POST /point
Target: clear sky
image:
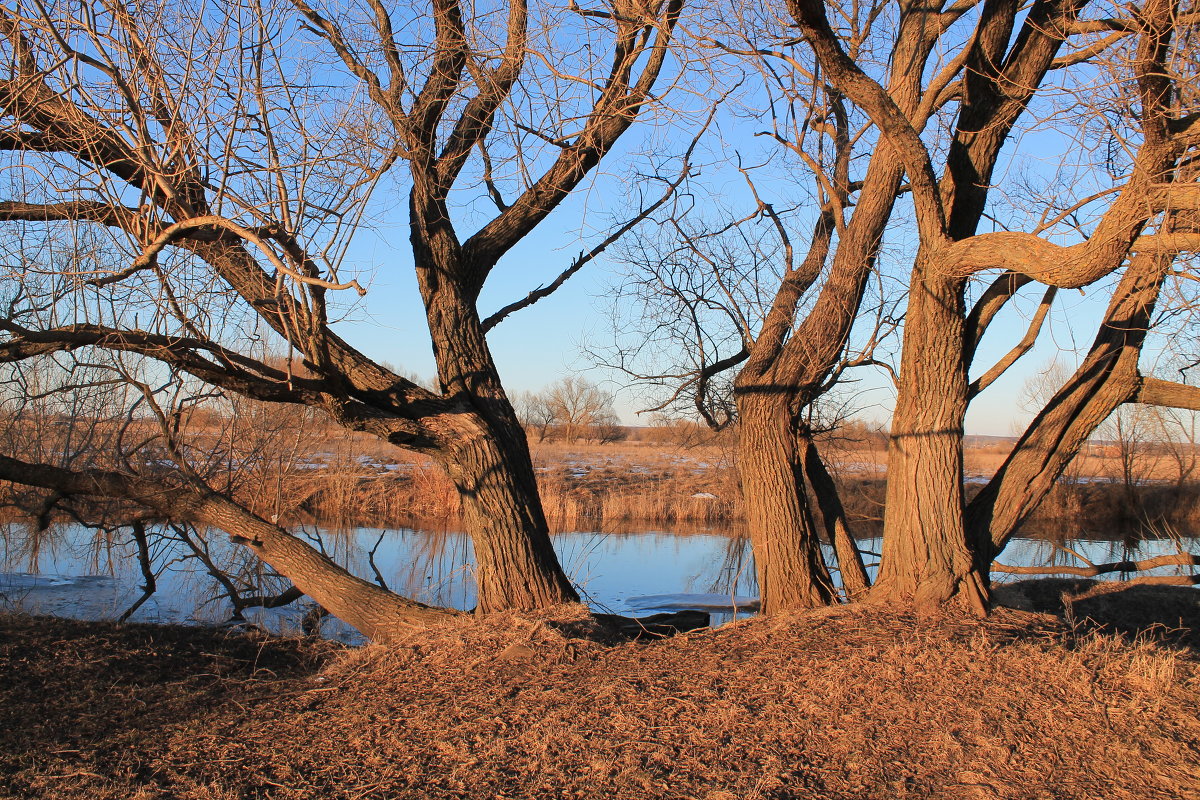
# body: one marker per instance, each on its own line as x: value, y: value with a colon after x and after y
x: 540, y: 344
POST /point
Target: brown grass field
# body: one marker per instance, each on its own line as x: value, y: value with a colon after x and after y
x: 851, y: 702
x: 613, y: 486
x: 1075, y: 696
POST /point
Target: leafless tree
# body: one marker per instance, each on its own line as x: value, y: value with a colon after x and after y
x: 943, y: 89
x: 183, y: 183
x: 536, y: 413
x: 1136, y: 90
x: 578, y: 409
x: 791, y: 300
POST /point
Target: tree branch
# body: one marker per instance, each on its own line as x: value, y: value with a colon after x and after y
x: 1092, y: 570
x: 1156, y: 392
x: 894, y: 126
x: 1022, y: 347
x: 100, y: 212
x: 989, y: 304
x: 234, y: 371
x: 180, y: 229
x: 313, y: 573
x: 616, y: 108
x: 585, y: 258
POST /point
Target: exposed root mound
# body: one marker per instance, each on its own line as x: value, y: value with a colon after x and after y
x: 841, y: 703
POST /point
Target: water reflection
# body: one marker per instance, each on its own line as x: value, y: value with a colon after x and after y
x: 76, y: 572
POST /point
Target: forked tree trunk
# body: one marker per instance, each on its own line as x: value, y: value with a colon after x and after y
x: 787, y: 552
x: 926, y: 558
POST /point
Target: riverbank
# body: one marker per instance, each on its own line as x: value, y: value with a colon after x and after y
x: 852, y: 702
x: 609, y: 486
x: 357, y: 481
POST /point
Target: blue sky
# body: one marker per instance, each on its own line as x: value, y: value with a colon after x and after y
x: 538, y: 345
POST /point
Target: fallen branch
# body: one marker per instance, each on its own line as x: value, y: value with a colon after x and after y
x: 1093, y: 570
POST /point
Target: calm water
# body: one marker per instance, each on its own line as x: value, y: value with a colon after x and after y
x: 73, y: 572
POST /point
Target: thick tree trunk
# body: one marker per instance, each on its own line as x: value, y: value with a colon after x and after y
x: 926, y: 558
x: 376, y: 613
x: 787, y: 552
x: 515, y: 563
x: 486, y: 453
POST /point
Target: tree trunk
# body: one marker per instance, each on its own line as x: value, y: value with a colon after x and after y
x: 515, y: 563
x: 849, y: 559
x: 486, y: 454
x: 787, y: 553
x: 376, y: 613
x: 926, y: 558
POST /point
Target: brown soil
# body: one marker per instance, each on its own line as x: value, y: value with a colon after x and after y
x: 852, y: 702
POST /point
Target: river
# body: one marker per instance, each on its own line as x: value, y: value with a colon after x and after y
x: 74, y: 572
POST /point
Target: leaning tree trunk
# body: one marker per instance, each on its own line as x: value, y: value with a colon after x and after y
x: 376, y: 613
x: 855, y: 581
x: 515, y: 563
x: 1106, y: 379
x: 486, y: 454
x: 370, y: 609
x: 787, y: 552
x: 926, y: 559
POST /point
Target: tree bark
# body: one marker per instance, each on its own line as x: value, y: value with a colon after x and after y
x: 926, y: 558
x: 787, y: 552
x: 849, y: 559
x: 515, y: 563
x: 485, y: 450
x: 376, y: 613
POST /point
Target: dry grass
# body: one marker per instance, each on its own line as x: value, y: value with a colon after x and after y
x: 843, y: 703
x: 598, y: 486
x: 583, y: 486
x: 590, y: 486
x: 586, y: 486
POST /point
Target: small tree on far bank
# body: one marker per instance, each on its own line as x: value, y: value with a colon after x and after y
x: 572, y: 409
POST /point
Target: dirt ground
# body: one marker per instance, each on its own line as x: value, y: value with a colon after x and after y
x: 852, y: 702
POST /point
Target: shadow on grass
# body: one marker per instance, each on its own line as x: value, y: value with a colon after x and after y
x: 82, y: 698
x: 1170, y: 614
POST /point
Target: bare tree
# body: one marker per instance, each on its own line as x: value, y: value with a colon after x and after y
x: 792, y: 300
x: 184, y: 182
x: 937, y: 547
x: 579, y: 409
x: 941, y: 87
x: 536, y: 413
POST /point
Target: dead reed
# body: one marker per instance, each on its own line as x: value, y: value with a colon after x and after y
x: 588, y: 486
